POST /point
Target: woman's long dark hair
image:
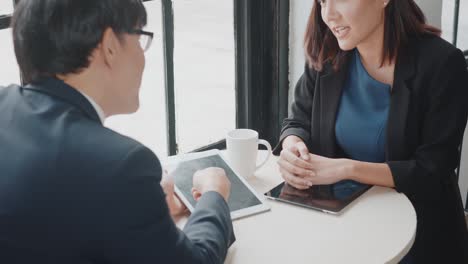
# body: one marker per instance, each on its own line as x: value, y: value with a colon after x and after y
x: 403, y: 18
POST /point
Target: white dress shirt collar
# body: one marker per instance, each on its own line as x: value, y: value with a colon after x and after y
x: 96, y: 107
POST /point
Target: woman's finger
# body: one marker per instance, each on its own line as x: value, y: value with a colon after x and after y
x: 295, y: 160
x: 295, y: 181
x: 303, y: 150
x: 297, y: 171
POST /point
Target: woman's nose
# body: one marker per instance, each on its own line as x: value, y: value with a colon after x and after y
x: 329, y: 12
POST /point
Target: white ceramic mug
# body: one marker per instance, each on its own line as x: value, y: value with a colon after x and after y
x: 242, y: 149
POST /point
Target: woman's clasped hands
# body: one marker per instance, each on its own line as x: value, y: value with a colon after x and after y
x: 302, y: 169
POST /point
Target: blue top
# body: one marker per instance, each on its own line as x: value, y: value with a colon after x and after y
x: 361, y: 120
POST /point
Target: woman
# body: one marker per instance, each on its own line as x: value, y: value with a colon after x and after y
x: 383, y: 101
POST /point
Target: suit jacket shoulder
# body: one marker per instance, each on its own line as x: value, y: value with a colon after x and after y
x: 73, y: 191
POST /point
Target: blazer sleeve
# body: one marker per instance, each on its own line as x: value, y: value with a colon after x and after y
x: 299, y: 119
x: 136, y: 226
x: 443, y: 124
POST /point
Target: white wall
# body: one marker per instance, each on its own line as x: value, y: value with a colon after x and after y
x: 299, y: 12
x: 433, y: 11
x: 463, y: 181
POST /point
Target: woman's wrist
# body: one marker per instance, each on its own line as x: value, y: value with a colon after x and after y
x: 369, y: 173
x: 290, y: 141
x: 351, y: 170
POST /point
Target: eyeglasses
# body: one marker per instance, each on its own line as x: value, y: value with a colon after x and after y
x: 146, y: 38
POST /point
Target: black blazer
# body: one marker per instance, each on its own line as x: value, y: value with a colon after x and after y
x: 427, y: 117
x: 73, y: 191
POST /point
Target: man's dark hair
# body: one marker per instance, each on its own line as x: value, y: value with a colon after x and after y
x: 58, y: 36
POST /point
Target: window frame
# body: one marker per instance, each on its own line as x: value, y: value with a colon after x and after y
x: 168, y: 46
x: 456, y: 14
x: 5, y: 21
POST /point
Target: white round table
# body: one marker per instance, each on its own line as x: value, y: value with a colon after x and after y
x: 379, y: 227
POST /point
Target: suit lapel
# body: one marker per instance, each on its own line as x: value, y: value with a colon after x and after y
x: 331, y: 88
x: 63, y: 91
x: 399, y: 103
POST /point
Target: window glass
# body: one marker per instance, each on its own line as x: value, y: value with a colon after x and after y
x: 204, y: 66
x: 448, y: 19
x: 10, y: 71
x: 6, y: 7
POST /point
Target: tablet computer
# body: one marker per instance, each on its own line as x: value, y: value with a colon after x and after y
x: 243, y: 199
x: 331, y: 199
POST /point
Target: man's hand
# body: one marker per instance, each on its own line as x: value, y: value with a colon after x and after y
x: 176, y: 207
x: 211, y: 179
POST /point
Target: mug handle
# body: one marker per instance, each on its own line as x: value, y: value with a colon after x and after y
x: 268, y: 146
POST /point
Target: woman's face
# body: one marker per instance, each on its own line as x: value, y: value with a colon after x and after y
x: 353, y: 22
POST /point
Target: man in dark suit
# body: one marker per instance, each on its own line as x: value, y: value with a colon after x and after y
x: 71, y: 190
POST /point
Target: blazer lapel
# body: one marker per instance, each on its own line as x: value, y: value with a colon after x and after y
x: 63, y: 91
x: 331, y: 88
x: 399, y: 104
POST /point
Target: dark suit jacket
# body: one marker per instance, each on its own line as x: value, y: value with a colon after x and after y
x: 427, y: 117
x: 73, y: 191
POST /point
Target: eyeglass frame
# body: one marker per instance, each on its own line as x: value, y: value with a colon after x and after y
x: 140, y: 32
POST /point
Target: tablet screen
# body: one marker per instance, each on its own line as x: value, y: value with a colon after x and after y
x: 241, y: 197
x: 332, y: 198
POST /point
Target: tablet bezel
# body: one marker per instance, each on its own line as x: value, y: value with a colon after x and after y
x: 338, y: 211
x: 171, y: 163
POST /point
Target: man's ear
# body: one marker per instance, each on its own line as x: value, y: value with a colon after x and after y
x: 109, y: 46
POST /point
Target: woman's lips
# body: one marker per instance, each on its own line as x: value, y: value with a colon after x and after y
x: 341, y: 31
